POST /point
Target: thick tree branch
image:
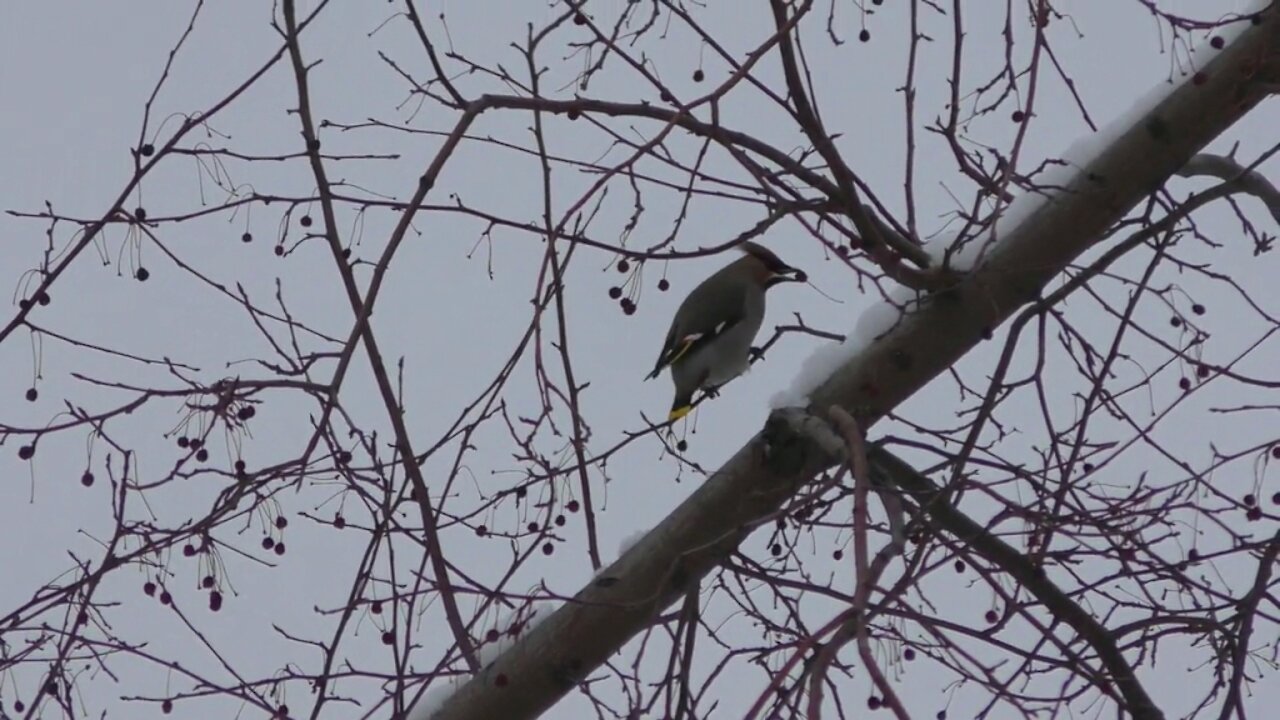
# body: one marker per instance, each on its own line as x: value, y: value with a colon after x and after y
x: 768, y: 469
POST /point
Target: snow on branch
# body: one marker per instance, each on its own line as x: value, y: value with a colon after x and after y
x: 1225, y: 167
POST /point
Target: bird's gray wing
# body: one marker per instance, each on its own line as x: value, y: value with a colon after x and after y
x: 722, y: 305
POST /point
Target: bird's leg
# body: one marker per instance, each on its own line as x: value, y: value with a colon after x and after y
x: 711, y: 391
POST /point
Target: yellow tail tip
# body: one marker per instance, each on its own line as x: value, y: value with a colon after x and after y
x: 677, y: 413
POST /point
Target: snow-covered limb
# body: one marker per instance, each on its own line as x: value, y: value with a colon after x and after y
x: 553, y: 658
x: 1225, y: 168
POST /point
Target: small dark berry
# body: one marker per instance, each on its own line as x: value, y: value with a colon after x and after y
x: 279, y: 251
x: 189, y: 550
x: 548, y: 548
x: 682, y: 446
x: 533, y: 527
x: 560, y: 521
x: 184, y: 442
x: 908, y: 654
x: 1197, y: 309
x: 579, y: 19
x: 873, y: 702
x: 1193, y: 554
x: 344, y: 457
x: 86, y: 479
x: 959, y: 566
x: 26, y: 452
x: 492, y: 635
x: 388, y: 638
x: 572, y: 506
x: 481, y: 531
x: 149, y: 588
x: 1275, y: 452
x: 991, y: 616
x: 837, y: 555
x: 196, y: 443
x: 166, y: 707
x: 313, y: 144
x: 775, y: 549
x: 278, y: 549
x: 141, y: 214
x: 24, y: 304
x: 663, y: 285
x: 1275, y: 499
x: 942, y: 715
x: 165, y: 597
x: 1184, y: 383
x: 628, y: 307
x: 615, y: 293
x: 282, y: 522
x: 865, y: 35
x: 207, y: 582
x: 32, y: 394
x: 202, y: 455
x: 247, y: 237
x: 268, y: 543
x: 43, y: 298
x: 215, y: 601
x: 698, y: 75
x: 339, y: 521
x: 1202, y: 371
x: 142, y: 274
x: 1018, y: 116
x: 573, y: 113
x: 147, y: 150
x: 1175, y: 321
x: 1217, y: 42
x: 623, y: 266
x: 305, y: 221
x: 666, y: 97
x: 375, y: 607
x: 239, y: 466
x: 1253, y: 514
x: 246, y: 412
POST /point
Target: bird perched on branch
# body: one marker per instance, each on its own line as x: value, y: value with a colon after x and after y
x: 709, y: 342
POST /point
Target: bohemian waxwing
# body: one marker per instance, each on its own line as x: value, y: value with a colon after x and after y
x: 709, y: 342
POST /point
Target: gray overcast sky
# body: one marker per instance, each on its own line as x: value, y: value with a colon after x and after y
x: 73, y: 81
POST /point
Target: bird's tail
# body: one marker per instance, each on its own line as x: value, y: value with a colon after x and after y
x: 681, y: 407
